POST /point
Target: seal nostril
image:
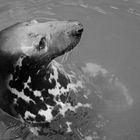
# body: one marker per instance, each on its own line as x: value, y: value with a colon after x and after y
x: 77, y: 32
x: 80, y: 30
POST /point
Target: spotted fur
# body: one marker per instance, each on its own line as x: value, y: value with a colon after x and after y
x: 40, y: 94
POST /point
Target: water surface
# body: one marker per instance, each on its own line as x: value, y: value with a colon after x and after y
x: 111, y: 39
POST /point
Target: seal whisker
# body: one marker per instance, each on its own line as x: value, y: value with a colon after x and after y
x: 64, y: 57
x: 62, y: 60
x: 70, y: 54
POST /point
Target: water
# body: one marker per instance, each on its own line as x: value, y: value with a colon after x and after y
x: 111, y: 39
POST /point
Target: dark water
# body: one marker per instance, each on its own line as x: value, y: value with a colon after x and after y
x: 111, y: 39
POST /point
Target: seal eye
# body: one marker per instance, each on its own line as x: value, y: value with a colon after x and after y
x: 41, y: 44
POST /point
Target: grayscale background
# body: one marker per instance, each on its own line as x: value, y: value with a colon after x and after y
x: 111, y: 39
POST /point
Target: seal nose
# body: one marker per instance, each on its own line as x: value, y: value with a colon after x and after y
x: 79, y: 31
x: 78, y: 28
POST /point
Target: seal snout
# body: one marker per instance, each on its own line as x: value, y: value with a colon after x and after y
x: 78, y: 32
x: 77, y: 28
x: 65, y: 37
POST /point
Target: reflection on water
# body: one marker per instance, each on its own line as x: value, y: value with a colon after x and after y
x: 111, y: 40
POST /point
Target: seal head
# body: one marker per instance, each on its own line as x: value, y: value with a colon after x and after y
x: 32, y: 38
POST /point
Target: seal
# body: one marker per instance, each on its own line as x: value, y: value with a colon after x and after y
x: 72, y: 101
x: 30, y: 84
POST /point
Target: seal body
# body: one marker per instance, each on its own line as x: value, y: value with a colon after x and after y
x: 27, y: 75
